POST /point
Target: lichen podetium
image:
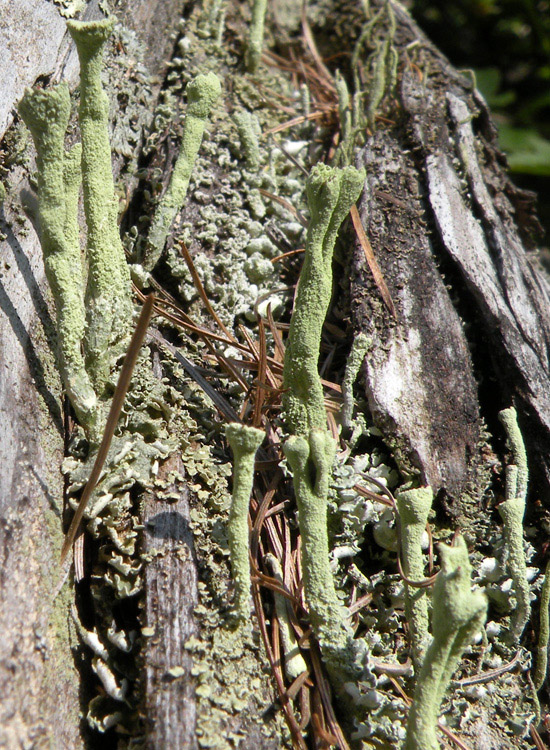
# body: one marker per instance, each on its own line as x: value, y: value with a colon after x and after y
x: 330, y: 192
x: 202, y: 93
x: 414, y: 506
x: 108, y: 294
x: 256, y: 36
x: 244, y: 442
x: 310, y: 449
x: 46, y: 114
x: 512, y: 511
x: 458, y: 614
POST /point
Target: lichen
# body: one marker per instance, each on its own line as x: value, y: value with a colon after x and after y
x: 244, y: 442
x: 107, y: 297
x: 202, y: 94
x: 256, y: 35
x: 458, y: 614
x: 414, y: 506
x: 46, y: 114
x: 512, y: 511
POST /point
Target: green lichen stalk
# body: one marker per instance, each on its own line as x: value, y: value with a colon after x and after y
x: 256, y: 37
x: 108, y: 300
x: 249, y: 131
x: 310, y: 449
x: 311, y: 462
x: 414, y: 506
x: 244, y: 442
x: 46, y: 114
x: 541, y: 666
x: 512, y: 511
x: 360, y: 347
x: 202, y: 93
x: 331, y: 193
x: 458, y: 614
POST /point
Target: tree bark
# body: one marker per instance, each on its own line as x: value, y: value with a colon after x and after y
x: 453, y: 237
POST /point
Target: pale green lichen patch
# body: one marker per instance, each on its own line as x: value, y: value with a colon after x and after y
x: 458, y: 614
x: 108, y: 301
x: 244, y: 442
x: 70, y: 8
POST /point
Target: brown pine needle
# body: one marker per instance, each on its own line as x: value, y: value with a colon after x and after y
x: 262, y: 372
x: 286, y: 204
x: 312, y: 47
x: 200, y: 289
x: 371, y: 261
x: 297, y: 121
x: 112, y: 419
x: 537, y: 739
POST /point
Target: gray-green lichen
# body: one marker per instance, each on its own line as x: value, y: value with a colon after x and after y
x: 46, y: 114
x: 512, y: 511
x: 244, y: 442
x: 202, y: 94
x: 256, y: 35
x: 541, y: 665
x: 414, y: 506
x: 458, y: 614
x: 360, y: 347
x: 331, y: 193
x: 107, y: 298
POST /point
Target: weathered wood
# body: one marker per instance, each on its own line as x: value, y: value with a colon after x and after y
x: 170, y: 579
x: 471, y: 304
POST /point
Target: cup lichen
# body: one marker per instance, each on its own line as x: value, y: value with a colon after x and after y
x: 331, y: 192
x: 244, y: 442
x: 458, y: 615
x: 256, y: 35
x: 108, y: 293
x: 202, y: 93
x: 46, y: 114
x: 512, y: 511
x: 310, y: 449
x: 414, y: 506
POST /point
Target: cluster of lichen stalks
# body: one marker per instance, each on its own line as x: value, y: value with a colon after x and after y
x: 458, y: 612
x: 93, y: 327
x: 94, y: 317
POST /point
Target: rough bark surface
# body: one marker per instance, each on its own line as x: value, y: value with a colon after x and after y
x: 444, y: 222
